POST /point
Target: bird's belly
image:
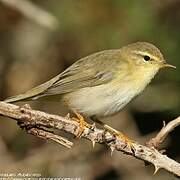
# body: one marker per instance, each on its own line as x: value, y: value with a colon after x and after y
x: 100, y: 100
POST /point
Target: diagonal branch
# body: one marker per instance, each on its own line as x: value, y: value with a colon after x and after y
x: 37, y: 122
x: 161, y: 136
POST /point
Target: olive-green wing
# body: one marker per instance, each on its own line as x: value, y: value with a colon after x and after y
x: 87, y: 72
x: 92, y: 70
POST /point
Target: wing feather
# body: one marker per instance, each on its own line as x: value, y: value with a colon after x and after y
x: 84, y: 73
x: 90, y: 71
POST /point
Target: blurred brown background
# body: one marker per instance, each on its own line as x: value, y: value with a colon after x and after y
x: 38, y: 39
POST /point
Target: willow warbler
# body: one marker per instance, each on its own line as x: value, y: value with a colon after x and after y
x: 101, y: 84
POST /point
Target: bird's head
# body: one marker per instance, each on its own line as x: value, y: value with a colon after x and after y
x: 146, y: 55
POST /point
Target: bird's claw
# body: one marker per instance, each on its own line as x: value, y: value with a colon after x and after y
x: 120, y: 135
x: 127, y: 140
x: 82, y: 124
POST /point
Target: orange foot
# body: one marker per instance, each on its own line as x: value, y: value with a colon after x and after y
x: 82, y: 124
x: 119, y: 134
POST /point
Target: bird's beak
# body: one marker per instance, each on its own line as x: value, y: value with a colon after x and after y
x: 164, y: 65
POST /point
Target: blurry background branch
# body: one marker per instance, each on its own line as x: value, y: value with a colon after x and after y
x: 33, y: 12
x: 38, y: 122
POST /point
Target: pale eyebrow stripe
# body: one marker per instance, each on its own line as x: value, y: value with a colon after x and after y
x: 145, y: 54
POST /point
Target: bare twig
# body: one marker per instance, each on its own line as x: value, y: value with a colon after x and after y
x: 50, y: 136
x: 33, y: 12
x: 160, y: 137
x: 33, y: 119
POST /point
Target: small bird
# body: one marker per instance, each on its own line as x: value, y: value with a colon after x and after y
x: 101, y: 84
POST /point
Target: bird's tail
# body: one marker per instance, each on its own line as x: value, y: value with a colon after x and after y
x: 34, y: 93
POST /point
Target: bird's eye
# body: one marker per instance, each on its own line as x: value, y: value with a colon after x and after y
x: 146, y: 58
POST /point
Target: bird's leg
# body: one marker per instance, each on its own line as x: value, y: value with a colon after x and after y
x: 82, y: 123
x: 122, y: 136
